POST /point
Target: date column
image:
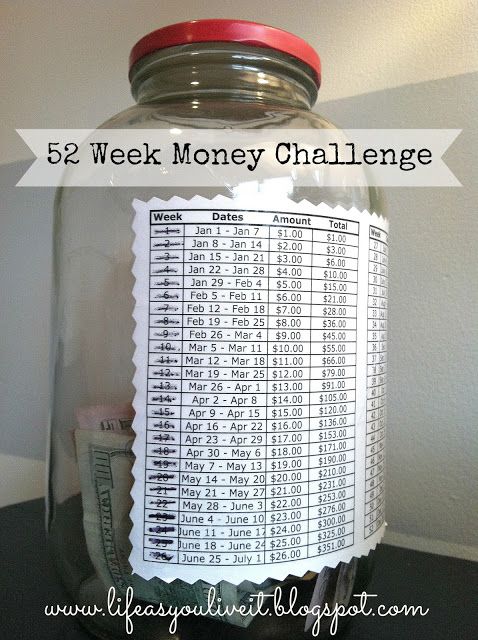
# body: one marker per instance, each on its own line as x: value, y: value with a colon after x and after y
x: 222, y: 480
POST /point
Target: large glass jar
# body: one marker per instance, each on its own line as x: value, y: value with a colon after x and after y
x: 205, y: 74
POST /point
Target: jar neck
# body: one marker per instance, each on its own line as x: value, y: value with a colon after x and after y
x: 223, y: 71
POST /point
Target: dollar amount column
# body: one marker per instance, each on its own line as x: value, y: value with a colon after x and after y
x: 288, y: 400
x: 333, y: 383
x: 224, y: 391
x: 376, y: 380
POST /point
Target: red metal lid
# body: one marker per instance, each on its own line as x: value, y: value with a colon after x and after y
x: 243, y: 31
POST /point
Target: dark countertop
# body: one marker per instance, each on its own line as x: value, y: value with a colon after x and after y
x: 447, y: 586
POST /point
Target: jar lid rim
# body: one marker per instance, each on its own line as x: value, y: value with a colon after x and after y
x: 222, y: 30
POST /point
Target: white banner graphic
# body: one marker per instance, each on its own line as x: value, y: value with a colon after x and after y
x: 238, y: 158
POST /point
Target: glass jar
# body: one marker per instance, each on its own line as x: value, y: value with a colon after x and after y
x: 205, y: 74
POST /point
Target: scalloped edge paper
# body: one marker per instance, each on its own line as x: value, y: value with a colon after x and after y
x: 253, y: 573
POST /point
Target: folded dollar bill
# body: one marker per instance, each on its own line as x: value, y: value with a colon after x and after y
x: 106, y: 417
x: 105, y: 461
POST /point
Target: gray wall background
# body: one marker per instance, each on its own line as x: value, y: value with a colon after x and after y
x: 408, y: 64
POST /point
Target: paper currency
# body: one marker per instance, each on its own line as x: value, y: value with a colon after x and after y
x: 106, y: 417
x: 105, y: 461
x: 341, y: 596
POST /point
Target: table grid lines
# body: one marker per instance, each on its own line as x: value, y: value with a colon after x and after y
x: 198, y: 404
